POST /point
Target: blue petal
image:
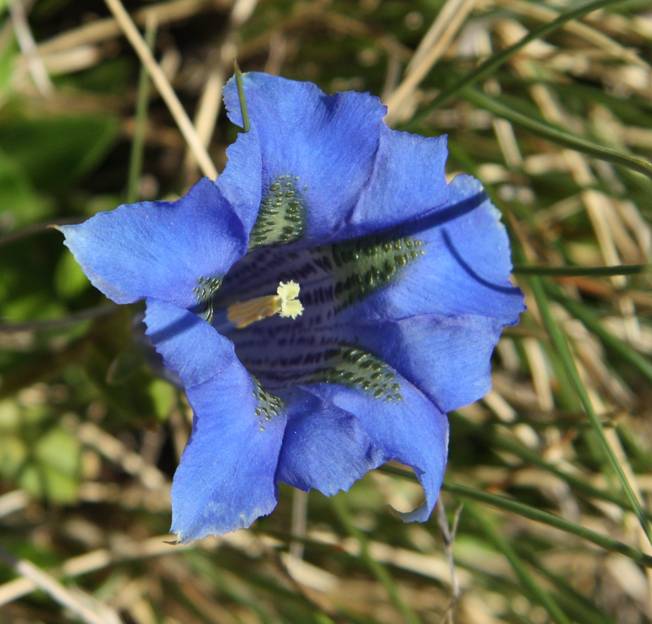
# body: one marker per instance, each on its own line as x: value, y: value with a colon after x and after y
x: 189, y: 346
x: 412, y: 431
x: 447, y: 358
x: 324, y: 448
x: 464, y: 270
x: 327, y: 142
x: 407, y: 182
x: 241, y: 181
x: 159, y: 249
x: 226, y: 478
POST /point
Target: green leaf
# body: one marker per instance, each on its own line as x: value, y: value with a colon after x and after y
x: 69, y: 279
x: 8, y: 55
x: 54, y: 472
x: 164, y: 397
x: 125, y: 366
x: 20, y: 203
x: 56, y: 151
x: 41, y: 458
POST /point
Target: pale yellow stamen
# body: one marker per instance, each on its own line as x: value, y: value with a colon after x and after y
x: 285, y: 303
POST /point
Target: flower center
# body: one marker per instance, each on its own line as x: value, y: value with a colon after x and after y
x: 285, y: 303
x: 318, y: 347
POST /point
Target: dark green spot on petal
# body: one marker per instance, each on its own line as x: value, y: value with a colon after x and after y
x: 267, y: 404
x: 205, y: 293
x: 281, y: 218
x: 362, y: 266
x: 357, y: 368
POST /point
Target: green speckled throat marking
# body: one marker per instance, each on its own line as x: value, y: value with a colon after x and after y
x: 281, y: 218
x: 356, y: 368
x: 205, y: 292
x: 342, y: 363
x: 362, y: 266
x: 268, y: 405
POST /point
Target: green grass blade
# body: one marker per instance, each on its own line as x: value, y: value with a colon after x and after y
x: 558, y: 135
x: 545, y: 517
x: 561, y: 345
x: 526, y: 455
x: 142, y: 103
x: 499, y: 59
x: 537, y: 593
x: 581, y: 609
x: 579, y: 485
x: 537, y: 515
x: 597, y: 271
x: 246, y: 124
x: 375, y: 567
x: 591, y: 322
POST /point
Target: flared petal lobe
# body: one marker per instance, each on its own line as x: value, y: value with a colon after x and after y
x: 241, y: 182
x: 464, y: 265
x: 438, y: 321
x: 322, y: 145
x: 355, y: 175
x: 226, y: 478
x: 159, y: 249
x: 324, y: 448
x: 447, y: 358
x: 408, y: 181
x: 411, y: 430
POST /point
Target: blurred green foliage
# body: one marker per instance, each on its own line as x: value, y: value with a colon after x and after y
x: 90, y: 433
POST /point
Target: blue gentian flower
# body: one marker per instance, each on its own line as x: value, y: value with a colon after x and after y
x: 324, y: 303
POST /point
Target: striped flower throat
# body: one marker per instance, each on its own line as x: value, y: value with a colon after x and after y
x: 296, y: 336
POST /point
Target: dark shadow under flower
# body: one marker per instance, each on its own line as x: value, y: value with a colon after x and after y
x: 324, y: 303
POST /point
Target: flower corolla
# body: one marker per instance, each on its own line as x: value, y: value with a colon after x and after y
x: 324, y: 303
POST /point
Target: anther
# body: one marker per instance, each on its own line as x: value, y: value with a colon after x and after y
x: 285, y: 303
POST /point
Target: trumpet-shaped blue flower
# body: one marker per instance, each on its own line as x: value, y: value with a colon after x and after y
x: 324, y: 303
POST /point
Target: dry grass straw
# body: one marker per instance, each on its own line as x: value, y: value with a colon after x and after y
x: 441, y: 574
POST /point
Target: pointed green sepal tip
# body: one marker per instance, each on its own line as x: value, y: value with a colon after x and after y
x: 241, y: 95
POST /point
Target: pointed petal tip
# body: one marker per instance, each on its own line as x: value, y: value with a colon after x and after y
x: 68, y: 231
x: 200, y: 529
x: 431, y: 492
x: 420, y: 514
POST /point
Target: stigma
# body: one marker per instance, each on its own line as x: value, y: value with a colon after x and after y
x: 285, y: 303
